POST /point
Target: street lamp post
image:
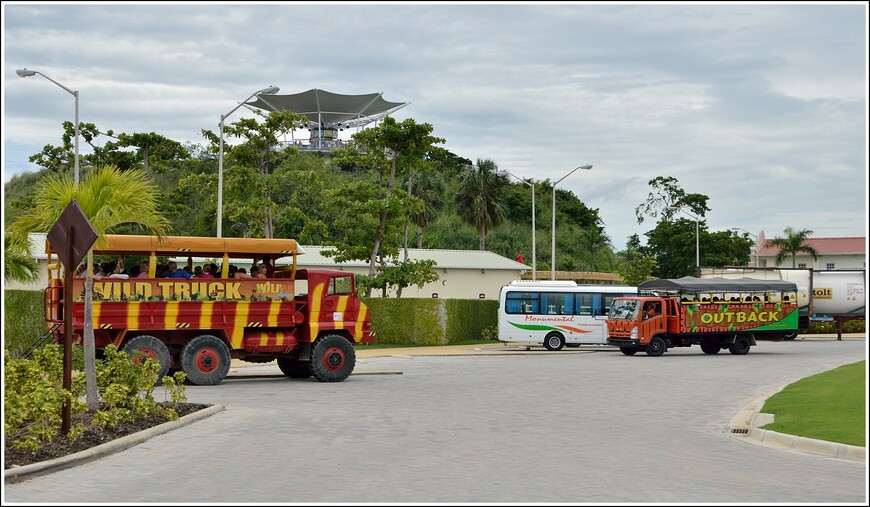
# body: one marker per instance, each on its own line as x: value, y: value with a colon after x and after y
x: 534, y: 256
x: 553, y: 252
x: 697, y: 237
x: 754, y: 237
x: 75, y: 93
x: 220, y: 208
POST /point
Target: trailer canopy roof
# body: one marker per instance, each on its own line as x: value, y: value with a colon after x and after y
x: 172, y: 246
x: 714, y: 285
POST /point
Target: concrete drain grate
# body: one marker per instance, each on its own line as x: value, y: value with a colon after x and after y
x: 740, y: 431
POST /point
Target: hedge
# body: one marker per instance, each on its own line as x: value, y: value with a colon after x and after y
x: 22, y: 319
x: 427, y: 321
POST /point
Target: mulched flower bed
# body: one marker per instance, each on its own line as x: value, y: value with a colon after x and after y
x: 93, y: 436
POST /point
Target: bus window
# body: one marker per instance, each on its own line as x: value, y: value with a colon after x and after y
x: 557, y: 303
x: 521, y: 302
x: 584, y: 304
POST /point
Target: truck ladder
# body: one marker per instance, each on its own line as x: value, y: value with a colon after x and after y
x: 42, y: 340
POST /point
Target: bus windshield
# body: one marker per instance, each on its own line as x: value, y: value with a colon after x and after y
x: 623, y: 309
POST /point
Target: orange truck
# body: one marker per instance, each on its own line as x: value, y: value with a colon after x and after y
x: 307, y: 320
x: 715, y: 313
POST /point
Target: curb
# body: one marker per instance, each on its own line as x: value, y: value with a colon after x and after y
x: 20, y: 473
x: 744, y: 426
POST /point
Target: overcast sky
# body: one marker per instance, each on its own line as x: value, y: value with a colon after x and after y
x: 761, y: 107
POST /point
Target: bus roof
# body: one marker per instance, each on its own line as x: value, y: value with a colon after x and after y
x: 173, y: 246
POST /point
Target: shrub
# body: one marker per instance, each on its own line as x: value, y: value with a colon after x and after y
x: 34, y: 394
x: 467, y: 318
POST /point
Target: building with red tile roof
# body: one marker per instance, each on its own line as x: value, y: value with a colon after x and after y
x: 833, y: 253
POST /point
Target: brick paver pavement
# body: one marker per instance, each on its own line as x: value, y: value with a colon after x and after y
x: 574, y: 427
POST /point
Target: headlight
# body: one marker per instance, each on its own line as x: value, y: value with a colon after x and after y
x: 634, y: 333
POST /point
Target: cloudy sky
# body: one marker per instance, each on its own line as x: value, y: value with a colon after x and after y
x: 761, y: 107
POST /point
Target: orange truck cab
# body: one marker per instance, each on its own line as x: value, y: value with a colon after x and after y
x: 715, y: 313
x: 307, y: 320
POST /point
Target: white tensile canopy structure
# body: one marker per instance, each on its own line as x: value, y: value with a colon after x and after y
x: 328, y: 110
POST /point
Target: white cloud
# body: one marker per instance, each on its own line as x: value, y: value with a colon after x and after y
x: 762, y: 107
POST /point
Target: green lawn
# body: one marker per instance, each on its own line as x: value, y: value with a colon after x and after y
x: 408, y: 345
x: 829, y: 406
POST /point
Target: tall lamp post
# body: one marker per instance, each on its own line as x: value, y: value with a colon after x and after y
x: 754, y: 237
x: 553, y: 252
x: 220, y: 209
x: 75, y: 93
x: 697, y: 236
x: 534, y: 256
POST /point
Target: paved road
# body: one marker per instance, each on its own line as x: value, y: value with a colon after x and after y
x: 579, y: 427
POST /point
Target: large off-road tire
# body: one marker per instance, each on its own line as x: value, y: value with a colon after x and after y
x: 629, y: 351
x: 554, y: 342
x: 741, y: 346
x: 150, y: 347
x: 711, y: 348
x: 656, y: 346
x: 206, y: 360
x: 791, y: 335
x: 332, y: 358
x: 294, y: 368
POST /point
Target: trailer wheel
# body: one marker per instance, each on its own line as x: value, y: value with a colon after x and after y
x: 740, y: 347
x: 151, y: 347
x: 206, y: 360
x: 629, y: 351
x: 656, y: 346
x: 791, y: 335
x: 554, y: 342
x: 711, y: 348
x: 332, y: 358
x: 294, y: 368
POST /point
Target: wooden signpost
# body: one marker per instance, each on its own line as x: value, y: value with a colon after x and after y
x: 71, y: 237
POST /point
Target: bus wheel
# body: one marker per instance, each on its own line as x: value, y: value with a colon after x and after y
x: 629, y: 351
x: 332, y: 358
x: 711, y: 348
x: 554, y: 342
x: 294, y: 368
x: 740, y: 347
x: 206, y: 360
x: 656, y: 347
x: 791, y: 335
x: 151, y: 347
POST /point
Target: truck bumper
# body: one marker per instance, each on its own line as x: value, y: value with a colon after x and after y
x: 623, y: 342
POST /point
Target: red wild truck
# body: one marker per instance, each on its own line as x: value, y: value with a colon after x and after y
x: 307, y: 320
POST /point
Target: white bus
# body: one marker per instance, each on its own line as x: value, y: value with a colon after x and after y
x: 556, y: 313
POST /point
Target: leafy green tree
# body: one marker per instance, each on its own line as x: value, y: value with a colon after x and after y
x: 665, y: 196
x: 792, y: 244
x: 408, y: 273
x: 672, y: 244
x: 379, y: 149
x: 248, y: 202
x: 635, y: 265
x: 479, y: 198
x: 109, y: 198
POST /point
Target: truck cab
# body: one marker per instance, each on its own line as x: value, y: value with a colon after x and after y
x: 632, y: 322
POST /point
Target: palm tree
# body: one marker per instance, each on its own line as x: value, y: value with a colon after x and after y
x: 18, y: 265
x: 479, y: 198
x: 109, y: 198
x: 594, y: 239
x: 792, y: 244
x: 429, y: 187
